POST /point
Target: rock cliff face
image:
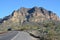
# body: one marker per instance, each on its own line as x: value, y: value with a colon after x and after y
x: 35, y: 14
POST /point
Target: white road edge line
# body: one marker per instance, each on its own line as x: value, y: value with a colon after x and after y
x: 15, y: 36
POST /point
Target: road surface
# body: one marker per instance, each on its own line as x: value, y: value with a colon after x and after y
x: 16, y: 35
x: 23, y: 36
x: 8, y: 36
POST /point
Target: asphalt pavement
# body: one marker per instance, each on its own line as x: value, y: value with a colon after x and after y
x: 9, y: 35
x: 16, y: 35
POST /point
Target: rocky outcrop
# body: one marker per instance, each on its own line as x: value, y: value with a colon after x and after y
x: 36, y: 35
x: 27, y: 19
x: 35, y: 14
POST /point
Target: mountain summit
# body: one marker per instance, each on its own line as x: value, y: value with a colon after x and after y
x: 35, y: 14
x: 27, y: 17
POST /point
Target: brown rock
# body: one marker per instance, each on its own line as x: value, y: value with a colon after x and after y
x: 35, y: 14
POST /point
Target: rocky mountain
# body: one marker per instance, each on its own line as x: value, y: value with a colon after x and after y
x: 40, y: 23
x: 35, y: 14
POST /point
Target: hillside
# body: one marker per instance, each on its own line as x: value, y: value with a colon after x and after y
x: 35, y: 14
x: 46, y: 22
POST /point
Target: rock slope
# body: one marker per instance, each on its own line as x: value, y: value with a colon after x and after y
x: 45, y: 25
x: 35, y: 14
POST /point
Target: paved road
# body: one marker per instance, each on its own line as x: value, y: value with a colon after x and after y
x: 23, y: 36
x: 9, y: 35
x: 16, y: 35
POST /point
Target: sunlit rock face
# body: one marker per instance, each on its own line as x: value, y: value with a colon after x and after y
x: 35, y: 14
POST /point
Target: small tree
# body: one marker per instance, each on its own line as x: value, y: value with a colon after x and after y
x: 9, y: 29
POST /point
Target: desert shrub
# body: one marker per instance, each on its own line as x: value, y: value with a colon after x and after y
x: 9, y: 29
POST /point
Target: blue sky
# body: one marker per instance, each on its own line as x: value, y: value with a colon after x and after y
x: 8, y: 6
